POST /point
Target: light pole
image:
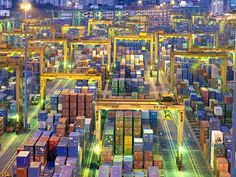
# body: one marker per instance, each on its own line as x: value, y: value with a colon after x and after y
x: 26, y: 6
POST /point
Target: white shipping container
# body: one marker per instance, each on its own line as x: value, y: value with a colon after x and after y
x: 42, y: 124
x: 132, y: 57
x: 59, y: 107
x: 216, y: 137
x: 218, y: 111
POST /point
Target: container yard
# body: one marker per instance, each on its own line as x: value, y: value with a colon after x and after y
x: 118, y: 92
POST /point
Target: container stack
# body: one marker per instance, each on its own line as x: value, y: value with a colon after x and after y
x: 106, y: 156
x: 153, y: 120
x: 116, y: 171
x: 128, y: 130
x: 148, y: 147
x: 73, y: 144
x: 65, y: 103
x: 216, y: 144
x: 138, y: 153
x: 89, y: 105
x: 104, y: 171
x: 222, y: 167
x: 204, y: 134
x: 81, y: 104
x: 62, y: 147
x: 34, y: 169
x: 128, y: 164
x: 73, y: 106
x: 52, y: 153
x: 137, y: 129
x: 42, y: 118
x: 22, y: 163
x: 153, y: 171
x: 119, y: 132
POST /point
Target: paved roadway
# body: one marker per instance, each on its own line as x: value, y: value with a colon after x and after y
x: 194, y: 163
x: 10, y: 141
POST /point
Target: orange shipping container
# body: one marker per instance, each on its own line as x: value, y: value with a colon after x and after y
x: 21, y: 172
x: 222, y: 165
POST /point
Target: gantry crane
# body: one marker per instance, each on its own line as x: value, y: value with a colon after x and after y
x: 160, y: 36
x: 112, y: 31
x: 141, y: 104
x: 31, y: 50
x: 33, y: 42
x: 93, y: 22
x: 106, y: 43
x: 4, y: 35
x: 140, y: 37
x: 199, y: 55
x: 142, y: 24
x: 7, y: 24
x: 9, y: 62
x: 81, y: 29
x: 73, y: 76
x: 39, y: 28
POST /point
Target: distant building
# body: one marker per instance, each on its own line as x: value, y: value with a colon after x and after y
x: 219, y: 7
x: 5, y: 4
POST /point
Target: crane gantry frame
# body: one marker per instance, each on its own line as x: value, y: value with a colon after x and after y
x: 140, y: 104
x: 65, y: 28
x: 107, y: 43
x: 63, y: 41
x: 37, y: 28
x: 93, y: 22
x: 199, y: 54
x: 144, y: 37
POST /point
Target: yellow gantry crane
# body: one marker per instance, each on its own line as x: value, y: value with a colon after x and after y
x: 106, y: 43
x: 141, y: 24
x: 200, y: 55
x: 9, y: 62
x: 140, y: 104
x: 39, y: 28
x: 140, y: 37
x: 33, y: 42
x: 21, y: 34
x: 81, y: 29
x: 72, y: 76
x: 93, y: 22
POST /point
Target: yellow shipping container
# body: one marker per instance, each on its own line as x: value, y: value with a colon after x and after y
x: 128, y: 140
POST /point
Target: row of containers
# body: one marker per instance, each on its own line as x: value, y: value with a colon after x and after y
x: 116, y: 171
x: 56, y: 148
x: 45, y: 153
x: 205, y: 74
x: 130, y: 141
x: 128, y: 80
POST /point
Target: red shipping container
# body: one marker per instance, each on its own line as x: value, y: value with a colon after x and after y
x: 65, y: 105
x: 138, y: 165
x: 111, y: 114
x: 228, y: 99
x: 89, y: 98
x: 65, y: 97
x: 65, y: 113
x: 89, y: 113
x: 89, y: 106
x: 61, y: 130
x: 53, y: 141
x: 81, y: 106
x: 73, y: 105
x: 81, y: 113
x: 148, y: 156
x: 138, y: 156
x: 204, y: 128
x: 81, y: 98
x: 222, y: 165
x: 73, y: 97
x: 21, y: 172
